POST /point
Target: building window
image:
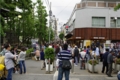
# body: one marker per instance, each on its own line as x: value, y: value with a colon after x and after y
x: 98, y: 21
x: 115, y: 22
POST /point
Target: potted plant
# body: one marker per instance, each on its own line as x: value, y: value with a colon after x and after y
x: 49, y: 57
x: 116, y: 65
x: 92, y: 65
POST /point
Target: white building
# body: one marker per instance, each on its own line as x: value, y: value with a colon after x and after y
x: 93, y: 20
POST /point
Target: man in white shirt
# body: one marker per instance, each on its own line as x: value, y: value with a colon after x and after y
x: 97, y: 53
x: 82, y: 58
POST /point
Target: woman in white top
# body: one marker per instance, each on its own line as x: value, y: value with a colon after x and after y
x: 21, y: 59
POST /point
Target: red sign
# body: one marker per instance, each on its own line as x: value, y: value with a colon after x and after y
x: 66, y: 27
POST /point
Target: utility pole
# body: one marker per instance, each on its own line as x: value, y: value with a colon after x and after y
x: 50, y: 14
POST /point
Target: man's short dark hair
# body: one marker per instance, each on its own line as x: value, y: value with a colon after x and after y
x: 107, y: 49
x: 6, y: 46
x: 65, y: 47
x: 23, y: 49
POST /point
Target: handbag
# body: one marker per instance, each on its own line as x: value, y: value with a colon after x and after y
x: 66, y: 64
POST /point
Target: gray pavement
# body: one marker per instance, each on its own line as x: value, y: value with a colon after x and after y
x: 35, y: 73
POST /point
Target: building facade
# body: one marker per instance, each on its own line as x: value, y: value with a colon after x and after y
x: 95, y: 20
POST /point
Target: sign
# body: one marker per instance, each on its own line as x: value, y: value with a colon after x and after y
x: 66, y: 27
x: 78, y: 37
x: 98, y: 37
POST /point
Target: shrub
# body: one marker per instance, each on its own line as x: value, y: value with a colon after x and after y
x: 117, y: 61
x: 94, y: 62
x: 29, y: 51
x: 49, y: 53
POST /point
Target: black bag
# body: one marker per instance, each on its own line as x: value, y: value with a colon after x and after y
x: 66, y: 64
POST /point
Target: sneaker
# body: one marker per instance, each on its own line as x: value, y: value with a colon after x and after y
x: 16, y: 72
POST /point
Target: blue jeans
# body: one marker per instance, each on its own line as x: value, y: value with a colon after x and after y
x: 22, y: 63
x: 60, y: 74
x: 118, y: 76
x: 9, y: 76
x: 76, y: 60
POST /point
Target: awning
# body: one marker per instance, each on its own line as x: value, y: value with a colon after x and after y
x: 69, y: 35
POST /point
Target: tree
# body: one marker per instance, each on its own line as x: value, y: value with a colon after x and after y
x: 61, y: 35
x: 41, y: 27
x: 117, y: 7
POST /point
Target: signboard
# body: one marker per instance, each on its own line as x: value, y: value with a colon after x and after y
x: 78, y: 37
x: 98, y: 37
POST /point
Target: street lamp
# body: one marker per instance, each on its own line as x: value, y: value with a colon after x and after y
x: 19, y: 16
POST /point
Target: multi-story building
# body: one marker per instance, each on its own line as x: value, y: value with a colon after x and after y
x: 94, y: 20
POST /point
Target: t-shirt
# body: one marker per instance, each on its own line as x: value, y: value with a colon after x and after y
x: 64, y: 55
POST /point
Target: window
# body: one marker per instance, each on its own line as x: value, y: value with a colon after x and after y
x: 115, y: 22
x: 98, y: 21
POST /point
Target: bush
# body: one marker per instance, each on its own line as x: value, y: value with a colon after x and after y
x: 49, y: 53
x: 117, y: 61
x: 29, y: 51
x: 94, y: 62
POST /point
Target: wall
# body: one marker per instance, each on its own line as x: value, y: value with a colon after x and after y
x: 84, y: 16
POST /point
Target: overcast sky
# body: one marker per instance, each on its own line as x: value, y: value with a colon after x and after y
x: 62, y: 9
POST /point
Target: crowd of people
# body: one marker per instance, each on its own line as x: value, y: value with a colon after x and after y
x: 15, y: 58
x: 83, y: 55
x: 14, y: 62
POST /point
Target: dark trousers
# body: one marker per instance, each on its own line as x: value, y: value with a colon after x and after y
x: 101, y: 59
x: 109, y: 69
x: 105, y: 65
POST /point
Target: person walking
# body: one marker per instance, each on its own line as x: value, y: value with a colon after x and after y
x: 37, y: 55
x: 42, y: 59
x: 63, y: 55
x: 21, y: 59
x: 9, y: 61
x: 101, y: 53
x: 76, y: 55
x: 97, y: 53
x: 110, y: 60
x: 82, y: 58
x: 105, y: 64
x: 88, y: 53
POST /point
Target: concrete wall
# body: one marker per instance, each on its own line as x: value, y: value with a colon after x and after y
x: 84, y: 16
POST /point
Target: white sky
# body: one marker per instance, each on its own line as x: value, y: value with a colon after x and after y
x: 62, y: 9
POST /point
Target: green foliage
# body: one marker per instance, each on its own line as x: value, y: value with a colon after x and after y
x: 93, y: 62
x: 29, y: 51
x: 117, y: 7
x: 61, y: 35
x: 49, y: 53
x: 29, y: 26
x: 118, y: 61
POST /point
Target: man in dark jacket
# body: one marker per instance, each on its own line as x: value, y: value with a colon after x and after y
x: 76, y: 55
x: 110, y: 60
x: 105, y: 64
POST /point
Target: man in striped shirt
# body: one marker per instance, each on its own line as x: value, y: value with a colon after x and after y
x: 63, y: 55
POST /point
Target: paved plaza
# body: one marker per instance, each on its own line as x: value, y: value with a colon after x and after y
x: 35, y: 73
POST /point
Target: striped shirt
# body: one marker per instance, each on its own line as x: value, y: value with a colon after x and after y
x: 64, y: 55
